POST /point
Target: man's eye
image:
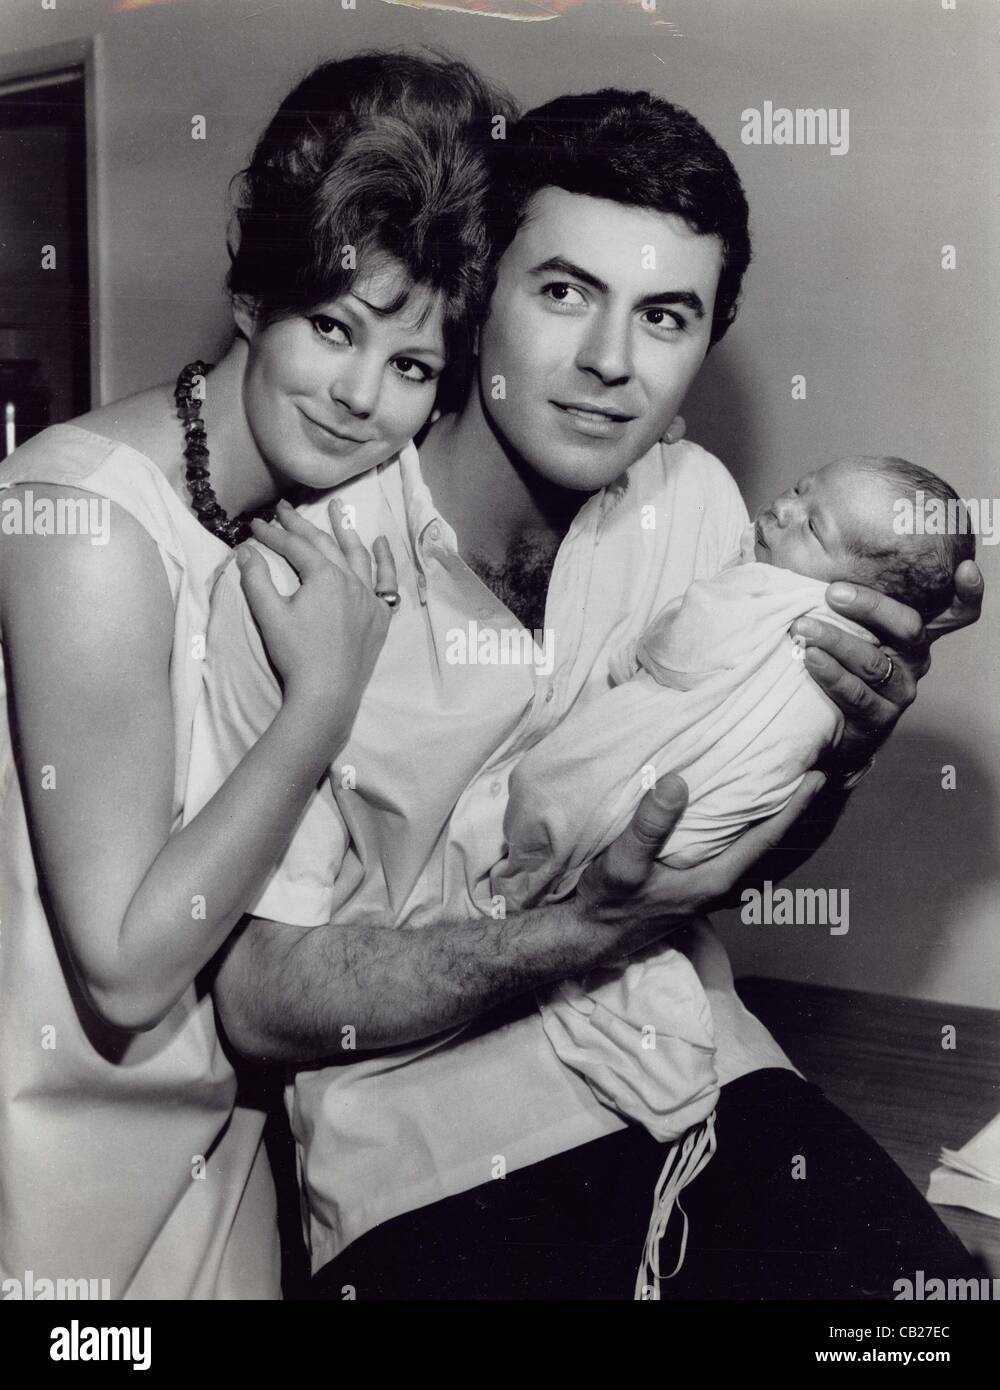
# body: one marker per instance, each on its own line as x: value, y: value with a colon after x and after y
x: 412, y: 370
x: 329, y: 329
x: 663, y: 318
x: 564, y: 295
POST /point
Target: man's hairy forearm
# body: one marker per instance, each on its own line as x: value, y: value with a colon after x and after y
x: 287, y: 993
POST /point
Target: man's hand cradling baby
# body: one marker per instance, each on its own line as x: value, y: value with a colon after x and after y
x: 852, y: 671
x: 626, y: 884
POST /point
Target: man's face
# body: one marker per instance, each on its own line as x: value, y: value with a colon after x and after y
x: 601, y: 317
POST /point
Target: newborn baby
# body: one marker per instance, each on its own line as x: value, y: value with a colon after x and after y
x: 715, y: 689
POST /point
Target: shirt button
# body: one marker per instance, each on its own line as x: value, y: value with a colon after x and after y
x: 549, y: 694
x: 496, y: 788
x: 483, y: 612
x: 435, y: 532
x: 421, y: 580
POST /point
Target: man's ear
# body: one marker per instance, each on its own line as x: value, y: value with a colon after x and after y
x: 245, y: 315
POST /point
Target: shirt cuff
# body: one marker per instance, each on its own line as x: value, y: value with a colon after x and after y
x: 847, y: 781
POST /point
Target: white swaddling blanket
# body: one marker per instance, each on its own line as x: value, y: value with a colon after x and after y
x: 720, y: 694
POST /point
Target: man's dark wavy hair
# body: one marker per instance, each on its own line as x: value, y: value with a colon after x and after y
x: 636, y: 149
x: 388, y: 153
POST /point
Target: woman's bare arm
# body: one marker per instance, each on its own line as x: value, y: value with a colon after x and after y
x: 88, y: 633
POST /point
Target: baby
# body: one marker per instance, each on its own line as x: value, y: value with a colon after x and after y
x: 715, y: 689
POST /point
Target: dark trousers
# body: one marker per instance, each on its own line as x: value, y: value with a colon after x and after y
x: 573, y: 1226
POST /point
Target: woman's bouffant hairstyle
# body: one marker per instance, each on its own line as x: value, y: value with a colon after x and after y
x: 636, y: 149
x: 382, y: 154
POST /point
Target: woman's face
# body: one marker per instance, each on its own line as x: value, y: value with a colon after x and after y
x: 340, y: 388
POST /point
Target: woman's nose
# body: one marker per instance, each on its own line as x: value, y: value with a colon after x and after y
x: 356, y: 388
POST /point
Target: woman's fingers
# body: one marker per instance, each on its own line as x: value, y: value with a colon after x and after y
x: 299, y: 525
x: 307, y: 547
x: 385, y: 567
x: 359, y: 562
x: 301, y: 554
x: 266, y: 604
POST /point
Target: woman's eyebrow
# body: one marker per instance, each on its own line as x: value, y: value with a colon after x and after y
x: 421, y: 350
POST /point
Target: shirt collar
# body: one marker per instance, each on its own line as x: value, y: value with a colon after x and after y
x: 428, y: 530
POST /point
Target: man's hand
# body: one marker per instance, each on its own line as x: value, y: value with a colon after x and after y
x: 852, y: 671
x: 626, y: 884
x: 676, y: 430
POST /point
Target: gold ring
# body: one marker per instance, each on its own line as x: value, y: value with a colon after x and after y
x: 884, y: 680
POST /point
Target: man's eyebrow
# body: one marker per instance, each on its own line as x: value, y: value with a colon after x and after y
x: 563, y: 267
x: 688, y: 299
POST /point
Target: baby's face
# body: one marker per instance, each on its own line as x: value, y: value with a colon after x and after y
x: 811, y: 528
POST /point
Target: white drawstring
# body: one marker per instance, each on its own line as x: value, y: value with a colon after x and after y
x: 694, y: 1152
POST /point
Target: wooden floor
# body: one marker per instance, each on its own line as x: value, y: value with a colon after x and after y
x: 880, y: 1059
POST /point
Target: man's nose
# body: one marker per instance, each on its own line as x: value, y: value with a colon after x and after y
x: 605, y: 352
x: 356, y: 387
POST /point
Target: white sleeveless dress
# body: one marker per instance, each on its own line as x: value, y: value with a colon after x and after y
x: 122, y: 1159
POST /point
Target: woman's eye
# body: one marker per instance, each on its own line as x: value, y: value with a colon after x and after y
x: 329, y: 329
x: 564, y: 295
x: 663, y: 318
x: 412, y: 370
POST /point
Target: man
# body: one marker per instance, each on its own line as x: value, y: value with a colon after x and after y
x: 470, y: 1163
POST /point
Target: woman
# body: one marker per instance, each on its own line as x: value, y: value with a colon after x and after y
x: 360, y: 261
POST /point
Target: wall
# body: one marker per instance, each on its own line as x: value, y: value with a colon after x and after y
x: 846, y: 288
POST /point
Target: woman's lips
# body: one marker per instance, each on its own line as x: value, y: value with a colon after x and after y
x: 328, y: 432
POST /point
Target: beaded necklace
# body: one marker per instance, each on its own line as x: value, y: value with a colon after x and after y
x: 210, y: 512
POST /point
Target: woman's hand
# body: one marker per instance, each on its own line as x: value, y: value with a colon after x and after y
x: 625, y: 888
x: 852, y: 671
x: 325, y: 638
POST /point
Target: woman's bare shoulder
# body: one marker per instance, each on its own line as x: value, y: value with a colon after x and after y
x: 146, y: 422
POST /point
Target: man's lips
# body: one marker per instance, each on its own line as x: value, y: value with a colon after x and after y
x: 589, y: 409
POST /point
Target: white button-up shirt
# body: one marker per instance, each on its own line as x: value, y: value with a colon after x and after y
x: 409, y: 822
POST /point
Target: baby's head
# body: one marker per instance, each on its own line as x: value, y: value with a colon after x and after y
x: 838, y: 523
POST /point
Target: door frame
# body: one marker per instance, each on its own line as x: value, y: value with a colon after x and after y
x: 55, y: 58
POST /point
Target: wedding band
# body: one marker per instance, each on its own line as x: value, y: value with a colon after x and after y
x: 884, y: 680
x: 390, y: 597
